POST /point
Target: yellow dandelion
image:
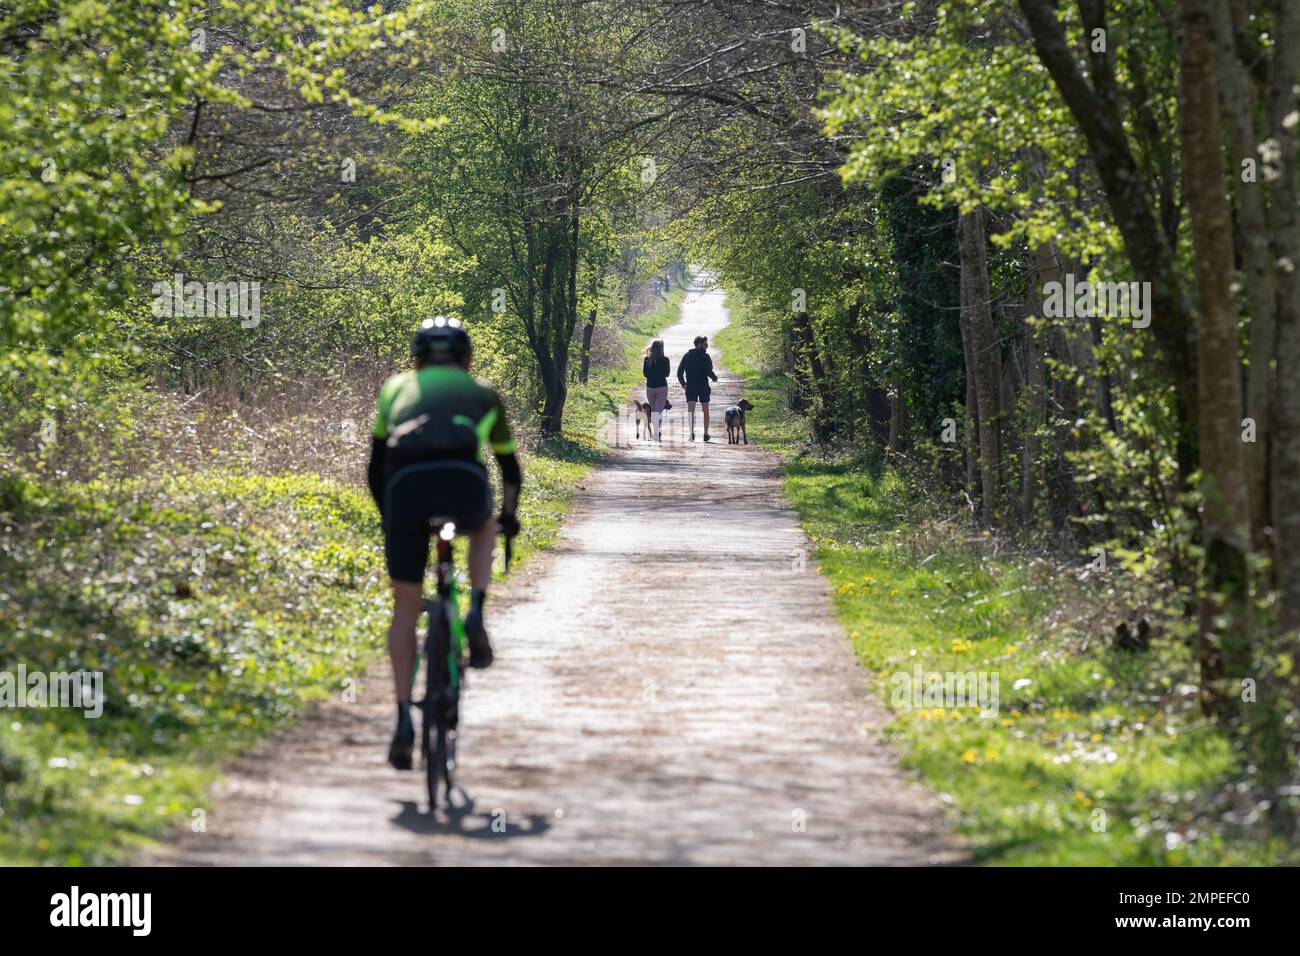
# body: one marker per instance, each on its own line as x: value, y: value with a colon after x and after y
x: 991, y: 756
x: 968, y: 757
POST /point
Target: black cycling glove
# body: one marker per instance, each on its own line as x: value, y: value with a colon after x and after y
x: 509, y: 524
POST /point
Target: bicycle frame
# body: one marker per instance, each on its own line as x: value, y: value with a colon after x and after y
x: 448, y: 600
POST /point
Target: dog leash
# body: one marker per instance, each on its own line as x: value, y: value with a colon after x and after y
x: 727, y: 397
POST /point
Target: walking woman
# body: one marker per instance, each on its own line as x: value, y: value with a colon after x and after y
x: 655, y: 368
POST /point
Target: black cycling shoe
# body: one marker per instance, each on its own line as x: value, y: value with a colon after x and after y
x: 480, y: 649
x: 399, y: 751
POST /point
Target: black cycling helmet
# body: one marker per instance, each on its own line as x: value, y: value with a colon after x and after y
x: 441, y: 340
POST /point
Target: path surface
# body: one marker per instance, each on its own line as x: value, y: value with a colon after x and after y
x: 669, y: 689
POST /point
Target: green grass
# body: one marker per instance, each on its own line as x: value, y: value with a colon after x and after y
x: 215, y: 604
x: 1094, y: 757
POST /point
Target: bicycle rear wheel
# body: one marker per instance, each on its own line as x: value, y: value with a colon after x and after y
x: 435, y: 706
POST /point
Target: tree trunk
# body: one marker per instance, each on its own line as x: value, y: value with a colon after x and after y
x: 985, y: 354
x: 1223, y: 639
x: 557, y: 393
x: 1286, y: 249
x: 1256, y: 261
x: 587, y: 331
x: 971, y: 436
x: 1045, y: 271
x: 553, y: 385
x: 821, y: 419
x: 879, y: 405
x: 897, y: 411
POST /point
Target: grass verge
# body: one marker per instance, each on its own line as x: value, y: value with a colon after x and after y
x: 1093, y: 756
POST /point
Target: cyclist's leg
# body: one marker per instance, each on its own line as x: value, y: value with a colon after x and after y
x: 481, y: 544
x: 408, y: 602
x: 481, y: 529
x: 406, y: 552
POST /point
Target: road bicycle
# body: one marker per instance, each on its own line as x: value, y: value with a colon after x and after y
x: 445, y: 663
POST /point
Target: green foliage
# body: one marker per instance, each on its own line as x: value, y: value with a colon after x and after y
x: 356, y: 300
x: 950, y: 112
x: 95, y: 177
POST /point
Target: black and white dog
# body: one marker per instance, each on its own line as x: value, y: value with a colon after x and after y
x: 736, y: 422
x: 642, y: 412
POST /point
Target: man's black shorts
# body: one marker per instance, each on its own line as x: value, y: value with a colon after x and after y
x: 417, y: 497
x: 697, y: 393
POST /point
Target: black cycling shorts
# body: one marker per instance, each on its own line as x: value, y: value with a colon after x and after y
x: 418, y: 499
x: 697, y: 393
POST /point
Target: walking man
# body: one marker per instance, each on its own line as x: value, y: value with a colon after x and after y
x: 693, y: 373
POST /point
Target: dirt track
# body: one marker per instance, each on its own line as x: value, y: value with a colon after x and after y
x: 669, y: 689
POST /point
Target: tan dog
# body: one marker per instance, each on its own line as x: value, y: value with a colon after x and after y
x: 643, y: 413
x: 736, y: 422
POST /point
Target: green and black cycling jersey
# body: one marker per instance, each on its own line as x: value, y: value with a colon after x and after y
x: 438, y: 412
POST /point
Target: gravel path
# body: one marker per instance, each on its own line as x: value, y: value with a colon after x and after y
x: 670, y: 689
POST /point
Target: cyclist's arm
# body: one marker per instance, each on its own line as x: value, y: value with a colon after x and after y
x: 511, y: 480
x: 502, y: 441
x: 375, y: 470
x: 379, y: 450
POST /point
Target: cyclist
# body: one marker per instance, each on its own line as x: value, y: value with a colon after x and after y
x: 426, y: 461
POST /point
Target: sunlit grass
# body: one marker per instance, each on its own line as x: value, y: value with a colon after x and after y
x: 215, y: 604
